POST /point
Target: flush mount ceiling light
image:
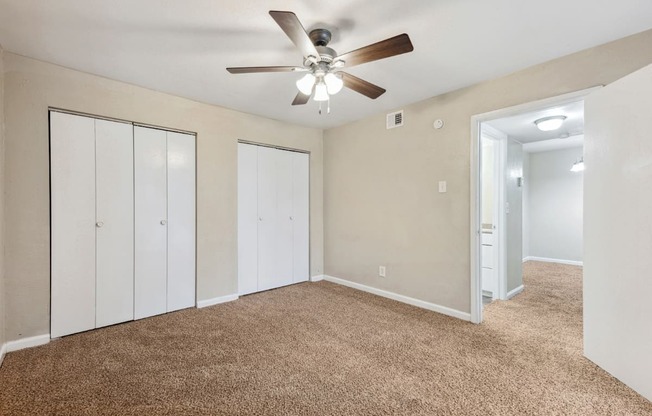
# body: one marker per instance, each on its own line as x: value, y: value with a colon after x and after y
x: 550, y: 123
x: 578, y: 166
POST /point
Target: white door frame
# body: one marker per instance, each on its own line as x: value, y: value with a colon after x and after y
x: 476, y: 219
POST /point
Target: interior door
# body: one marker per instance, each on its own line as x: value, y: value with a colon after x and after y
x: 72, y: 175
x: 301, y: 216
x: 150, y: 180
x: 247, y: 218
x: 181, y: 220
x: 114, y: 169
x: 618, y: 229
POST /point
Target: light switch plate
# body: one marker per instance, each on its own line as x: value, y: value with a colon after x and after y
x: 442, y: 186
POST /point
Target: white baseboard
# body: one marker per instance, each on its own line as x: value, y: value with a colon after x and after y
x: 549, y: 260
x: 317, y: 278
x: 515, y: 292
x: 216, y: 301
x: 401, y: 298
x: 3, y: 352
x: 30, y: 342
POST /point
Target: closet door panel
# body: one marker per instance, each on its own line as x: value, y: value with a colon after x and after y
x: 301, y: 216
x: 114, y: 222
x: 181, y: 221
x: 284, y: 229
x: 72, y: 167
x: 247, y: 218
x: 150, y: 179
x: 267, y: 218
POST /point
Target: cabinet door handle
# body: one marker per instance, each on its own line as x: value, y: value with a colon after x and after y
x: 291, y: 219
x: 260, y: 218
x: 99, y: 224
x: 163, y: 222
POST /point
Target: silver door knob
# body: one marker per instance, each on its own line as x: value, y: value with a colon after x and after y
x: 163, y: 222
x: 260, y: 218
x: 291, y: 219
x: 99, y: 224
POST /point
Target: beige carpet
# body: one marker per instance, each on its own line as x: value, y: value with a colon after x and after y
x: 323, y: 349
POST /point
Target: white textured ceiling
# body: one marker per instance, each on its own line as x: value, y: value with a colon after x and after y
x: 183, y: 47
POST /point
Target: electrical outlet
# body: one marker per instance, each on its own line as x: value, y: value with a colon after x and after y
x: 381, y: 271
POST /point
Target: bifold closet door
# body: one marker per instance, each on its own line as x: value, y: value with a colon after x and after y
x: 181, y: 221
x: 150, y: 180
x: 284, y: 267
x: 267, y: 218
x: 247, y: 218
x: 72, y: 173
x: 114, y: 222
x: 273, y: 218
x: 301, y: 216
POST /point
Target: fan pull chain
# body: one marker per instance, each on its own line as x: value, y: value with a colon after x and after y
x: 328, y: 108
x: 320, y: 108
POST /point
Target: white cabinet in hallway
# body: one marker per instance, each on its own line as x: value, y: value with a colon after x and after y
x: 122, y: 221
x: 273, y: 217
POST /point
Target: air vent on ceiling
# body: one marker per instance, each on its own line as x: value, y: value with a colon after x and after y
x: 395, y: 119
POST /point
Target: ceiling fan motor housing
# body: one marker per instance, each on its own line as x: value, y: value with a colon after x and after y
x: 320, y: 37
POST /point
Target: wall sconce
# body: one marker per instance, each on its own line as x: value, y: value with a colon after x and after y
x: 578, y: 166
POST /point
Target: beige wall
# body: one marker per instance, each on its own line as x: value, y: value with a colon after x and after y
x: 380, y: 186
x: 2, y: 202
x: 31, y: 86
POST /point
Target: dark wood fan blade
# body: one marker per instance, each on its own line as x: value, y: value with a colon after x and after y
x: 300, y: 99
x: 384, y: 49
x: 363, y: 87
x: 295, y: 31
x: 255, y: 69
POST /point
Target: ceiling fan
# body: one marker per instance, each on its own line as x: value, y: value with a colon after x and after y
x: 323, y: 65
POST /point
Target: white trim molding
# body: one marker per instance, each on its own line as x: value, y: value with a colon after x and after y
x: 30, y: 342
x: 216, y: 301
x: 549, y: 260
x: 401, y: 298
x: 3, y: 352
x: 514, y: 292
x: 317, y: 278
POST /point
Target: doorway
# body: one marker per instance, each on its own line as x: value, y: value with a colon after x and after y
x: 506, y: 210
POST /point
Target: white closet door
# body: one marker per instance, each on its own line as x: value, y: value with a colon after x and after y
x: 181, y: 221
x: 284, y: 230
x: 114, y: 148
x: 301, y: 216
x: 267, y: 218
x: 150, y: 179
x: 247, y: 218
x: 72, y: 167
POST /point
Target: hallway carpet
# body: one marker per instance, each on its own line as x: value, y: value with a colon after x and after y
x: 324, y: 349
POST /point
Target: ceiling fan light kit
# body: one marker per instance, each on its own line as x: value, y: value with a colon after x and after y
x: 306, y: 83
x: 323, y: 64
x: 321, y: 92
